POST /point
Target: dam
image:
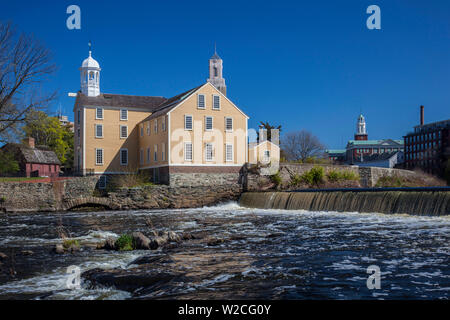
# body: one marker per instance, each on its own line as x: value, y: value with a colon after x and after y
x: 414, y: 201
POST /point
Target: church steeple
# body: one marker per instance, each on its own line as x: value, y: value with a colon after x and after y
x: 216, y: 72
x: 90, y: 76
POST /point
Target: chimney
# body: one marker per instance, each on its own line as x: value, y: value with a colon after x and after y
x: 421, y: 115
x: 31, y: 142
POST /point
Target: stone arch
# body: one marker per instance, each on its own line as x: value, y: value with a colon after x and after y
x: 89, y: 202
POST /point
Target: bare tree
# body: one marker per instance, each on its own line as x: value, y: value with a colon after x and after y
x: 300, y: 145
x: 24, y: 65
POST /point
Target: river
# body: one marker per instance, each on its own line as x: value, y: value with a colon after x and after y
x: 267, y: 254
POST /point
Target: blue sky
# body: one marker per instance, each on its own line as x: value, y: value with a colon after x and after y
x: 303, y: 64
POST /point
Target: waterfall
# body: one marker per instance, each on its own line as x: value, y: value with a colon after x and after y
x: 411, y: 202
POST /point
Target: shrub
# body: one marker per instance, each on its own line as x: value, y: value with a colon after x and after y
x: 125, y: 243
x: 334, y: 176
x: 295, y: 180
x: 314, y: 176
x: 349, y: 175
x: 71, y: 243
x: 131, y: 179
x: 276, y: 178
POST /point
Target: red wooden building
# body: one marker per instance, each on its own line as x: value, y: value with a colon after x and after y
x: 34, y: 161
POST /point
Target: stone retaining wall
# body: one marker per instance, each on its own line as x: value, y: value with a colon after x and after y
x: 78, y: 192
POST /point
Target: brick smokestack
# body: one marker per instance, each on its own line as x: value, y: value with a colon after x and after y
x: 31, y: 142
x: 422, y: 116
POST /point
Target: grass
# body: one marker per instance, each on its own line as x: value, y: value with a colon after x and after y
x: 19, y: 179
x: 129, y: 180
x: 420, y: 180
x: 335, y: 175
x: 276, y: 178
x: 125, y: 243
x: 316, y: 176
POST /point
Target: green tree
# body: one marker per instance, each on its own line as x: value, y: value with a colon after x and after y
x: 7, y: 163
x: 48, y: 131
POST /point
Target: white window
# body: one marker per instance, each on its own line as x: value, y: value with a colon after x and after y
x: 156, y: 125
x: 155, y: 153
x: 188, y: 151
x: 148, y: 128
x: 228, y: 152
x: 148, y: 155
x: 123, y: 132
x: 163, y: 124
x: 98, y: 157
x: 141, y: 156
x: 216, y: 102
x: 266, y: 155
x: 163, y: 152
x: 123, y: 114
x: 99, y: 131
x: 187, y: 122
x: 102, y: 182
x: 228, y: 124
x: 123, y: 157
x: 208, y: 123
x: 208, y: 152
x: 201, y: 101
x: 78, y: 116
x: 142, y: 130
x: 99, y: 113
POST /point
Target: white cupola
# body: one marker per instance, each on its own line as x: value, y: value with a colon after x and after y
x: 90, y: 76
x: 361, y: 125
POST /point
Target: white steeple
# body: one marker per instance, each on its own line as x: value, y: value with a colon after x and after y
x: 216, y: 72
x: 361, y: 126
x: 90, y: 76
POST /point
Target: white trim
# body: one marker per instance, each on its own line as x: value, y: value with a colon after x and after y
x: 212, y: 123
x: 96, y: 114
x: 213, y: 96
x: 120, y: 157
x: 103, y: 157
x: 168, y: 139
x: 232, y: 124
x: 207, y: 165
x: 95, y: 129
x: 91, y: 106
x: 120, y: 114
x: 192, y: 122
x: 111, y: 172
x: 220, y: 93
x: 246, y: 140
x: 206, y: 152
x: 192, y: 165
x: 120, y: 131
x: 192, y: 151
x: 204, y: 101
x: 84, y: 140
x: 232, y: 152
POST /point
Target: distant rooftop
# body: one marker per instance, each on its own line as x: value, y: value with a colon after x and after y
x: 387, y: 142
x: 432, y: 126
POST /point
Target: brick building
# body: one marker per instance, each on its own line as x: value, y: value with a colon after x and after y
x: 428, y: 146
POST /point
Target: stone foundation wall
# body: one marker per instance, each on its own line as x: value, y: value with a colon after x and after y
x: 203, y: 179
x: 81, y: 191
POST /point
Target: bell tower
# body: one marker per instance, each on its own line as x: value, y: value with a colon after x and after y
x: 361, y: 132
x: 216, y: 72
x: 90, y: 76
